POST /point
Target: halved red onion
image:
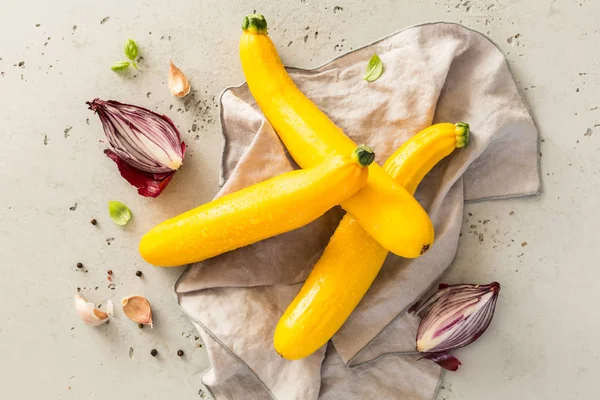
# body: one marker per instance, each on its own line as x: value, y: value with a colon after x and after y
x: 454, y: 317
x: 146, y: 146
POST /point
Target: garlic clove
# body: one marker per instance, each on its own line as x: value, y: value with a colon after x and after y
x: 137, y: 309
x: 88, y: 312
x: 178, y: 83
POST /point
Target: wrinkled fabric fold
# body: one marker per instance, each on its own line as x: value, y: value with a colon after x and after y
x: 433, y: 73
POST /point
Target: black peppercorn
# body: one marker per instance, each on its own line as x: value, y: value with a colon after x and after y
x: 140, y: 326
x: 93, y: 221
x: 138, y: 273
x: 109, y: 272
x: 153, y: 352
x: 79, y: 265
x: 180, y: 353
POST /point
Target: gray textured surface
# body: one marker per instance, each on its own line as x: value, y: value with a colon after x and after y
x: 542, y: 343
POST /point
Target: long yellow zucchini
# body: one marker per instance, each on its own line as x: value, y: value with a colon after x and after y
x: 263, y: 210
x: 352, y: 258
x: 383, y: 208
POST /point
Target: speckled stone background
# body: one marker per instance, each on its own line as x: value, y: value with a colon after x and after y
x: 54, y: 56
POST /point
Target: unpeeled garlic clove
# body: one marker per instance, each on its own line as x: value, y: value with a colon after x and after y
x: 178, y: 83
x: 88, y: 312
x: 137, y: 309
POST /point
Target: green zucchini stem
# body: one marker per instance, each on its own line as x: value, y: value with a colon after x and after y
x: 364, y: 155
x: 255, y: 23
x: 463, y: 134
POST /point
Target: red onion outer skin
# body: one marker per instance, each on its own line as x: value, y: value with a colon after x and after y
x: 146, y: 146
x: 147, y: 184
x: 452, y: 318
x: 444, y: 360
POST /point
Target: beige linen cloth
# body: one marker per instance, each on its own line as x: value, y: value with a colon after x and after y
x: 433, y: 73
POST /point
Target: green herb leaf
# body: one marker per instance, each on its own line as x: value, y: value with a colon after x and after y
x: 119, y: 212
x: 131, y: 49
x: 374, y: 68
x: 120, y: 66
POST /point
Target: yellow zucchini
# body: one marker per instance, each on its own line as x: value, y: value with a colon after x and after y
x: 263, y: 210
x: 352, y: 258
x: 383, y: 208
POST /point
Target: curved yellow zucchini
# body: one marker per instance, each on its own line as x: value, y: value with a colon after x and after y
x: 352, y: 259
x: 263, y: 210
x: 383, y: 208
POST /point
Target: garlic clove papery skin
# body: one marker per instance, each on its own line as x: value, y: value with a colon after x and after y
x: 178, y: 83
x: 88, y: 312
x: 137, y: 309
